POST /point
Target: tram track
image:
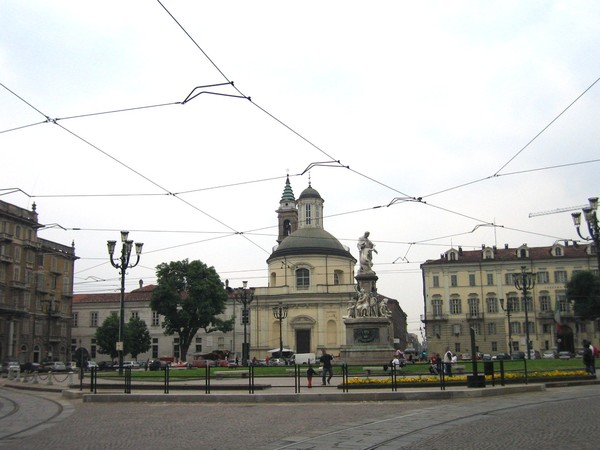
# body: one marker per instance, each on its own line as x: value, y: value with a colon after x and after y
x: 28, y: 414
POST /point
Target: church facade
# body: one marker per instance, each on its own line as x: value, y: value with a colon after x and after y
x: 311, y: 284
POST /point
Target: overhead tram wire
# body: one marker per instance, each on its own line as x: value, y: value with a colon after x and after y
x: 289, y: 128
x: 498, y: 174
x: 166, y: 191
x: 548, y: 126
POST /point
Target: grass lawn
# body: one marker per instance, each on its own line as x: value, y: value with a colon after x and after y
x: 418, y: 368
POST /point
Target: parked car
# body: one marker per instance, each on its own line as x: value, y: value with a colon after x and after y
x: 157, y: 364
x: 258, y: 362
x: 232, y: 363
x: 486, y: 357
x: 201, y: 363
x: 131, y: 364
x: 277, y: 362
x: 465, y: 356
x: 55, y: 366
x: 106, y: 365
x: 9, y: 364
x: 31, y: 367
x: 500, y: 356
x: 92, y: 365
x: 549, y: 354
x: 564, y: 355
x: 518, y: 355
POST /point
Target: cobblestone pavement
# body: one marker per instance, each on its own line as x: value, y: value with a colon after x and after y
x: 555, y: 418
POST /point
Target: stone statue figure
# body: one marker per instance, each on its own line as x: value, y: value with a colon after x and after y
x: 366, y: 249
x: 367, y: 304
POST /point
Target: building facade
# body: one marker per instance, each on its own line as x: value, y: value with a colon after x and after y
x: 311, y: 275
x: 36, y: 290
x: 475, y: 289
x: 91, y: 310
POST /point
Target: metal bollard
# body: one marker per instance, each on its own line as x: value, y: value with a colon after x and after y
x: 49, y: 382
x: 70, y: 379
x: 35, y: 378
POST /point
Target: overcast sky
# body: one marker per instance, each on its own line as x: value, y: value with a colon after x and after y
x: 443, y: 101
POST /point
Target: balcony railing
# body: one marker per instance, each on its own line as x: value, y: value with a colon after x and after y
x: 434, y: 317
x: 474, y: 316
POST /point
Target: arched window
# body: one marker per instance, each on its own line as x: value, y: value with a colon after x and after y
x: 273, y: 281
x: 302, y: 278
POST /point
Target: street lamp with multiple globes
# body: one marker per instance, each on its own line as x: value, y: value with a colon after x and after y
x: 245, y: 299
x: 123, y: 265
x: 524, y: 282
x: 280, y: 312
x: 591, y: 218
x: 508, y: 310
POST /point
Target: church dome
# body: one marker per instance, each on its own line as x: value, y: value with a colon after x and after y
x: 309, y: 192
x: 310, y: 241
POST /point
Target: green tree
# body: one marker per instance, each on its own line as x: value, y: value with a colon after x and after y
x: 190, y: 295
x: 107, y: 335
x: 137, y: 337
x: 584, y: 289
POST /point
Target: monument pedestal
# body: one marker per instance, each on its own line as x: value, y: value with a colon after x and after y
x: 369, y: 340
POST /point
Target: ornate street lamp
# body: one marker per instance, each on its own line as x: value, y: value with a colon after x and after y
x: 123, y: 265
x: 280, y: 312
x: 525, y: 281
x: 591, y: 218
x: 245, y: 298
x: 508, y: 310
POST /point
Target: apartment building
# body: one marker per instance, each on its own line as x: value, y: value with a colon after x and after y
x: 475, y: 289
x: 36, y: 289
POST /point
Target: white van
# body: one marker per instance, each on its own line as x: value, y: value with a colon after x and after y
x: 304, y: 358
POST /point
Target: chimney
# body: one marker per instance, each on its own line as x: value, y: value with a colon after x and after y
x: 505, y: 246
x: 141, y: 283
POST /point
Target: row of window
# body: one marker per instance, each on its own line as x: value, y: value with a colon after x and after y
x: 493, y: 328
x: 543, y: 277
x: 514, y: 304
x: 303, y: 278
x: 94, y: 318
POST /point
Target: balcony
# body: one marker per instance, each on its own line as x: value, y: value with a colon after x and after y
x: 4, y: 236
x: 474, y: 316
x: 32, y: 244
x: 17, y: 284
x: 434, y: 318
x: 546, y: 314
x: 6, y: 259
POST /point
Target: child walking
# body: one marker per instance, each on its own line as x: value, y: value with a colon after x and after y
x: 309, y: 375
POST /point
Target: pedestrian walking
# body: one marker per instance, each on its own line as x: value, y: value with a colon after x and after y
x: 588, y: 358
x: 326, y: 366
x: 448, y: 362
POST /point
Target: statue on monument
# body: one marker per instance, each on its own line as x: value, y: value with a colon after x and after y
x: 366, y: 249
x: 367, y: 304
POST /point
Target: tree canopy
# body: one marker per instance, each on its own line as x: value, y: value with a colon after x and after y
x: 107, y: 335
x: 136, y: 337
x: 191, y: 296
x: 584, y: 289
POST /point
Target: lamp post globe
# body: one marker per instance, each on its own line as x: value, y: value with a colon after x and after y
x: 590, y: 214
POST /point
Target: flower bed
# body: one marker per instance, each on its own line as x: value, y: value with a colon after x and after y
x: 461, y: 380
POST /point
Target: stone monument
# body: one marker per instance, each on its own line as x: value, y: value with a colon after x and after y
x: 369, y: 330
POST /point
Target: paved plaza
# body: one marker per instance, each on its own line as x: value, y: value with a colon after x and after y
x: 561, y: 417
